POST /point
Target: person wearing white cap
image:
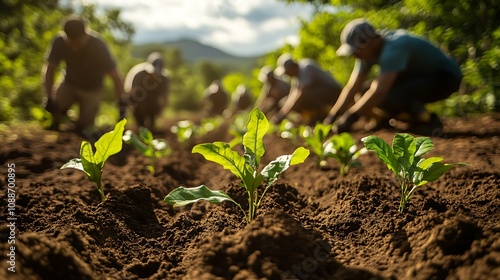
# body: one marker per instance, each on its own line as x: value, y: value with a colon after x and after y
x: 274, y: 92
x: 413, y: 72
x: 147, y: 89
x: 313, y: 90
x: 88, y: 60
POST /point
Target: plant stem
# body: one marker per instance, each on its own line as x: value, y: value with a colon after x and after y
x: 251, y: 206
x: 101, y: 191
x: 404, y: 195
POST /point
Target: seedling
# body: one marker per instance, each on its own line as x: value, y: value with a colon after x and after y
x: 91, y: 163
x: 287, y: 130
x: 184, y: 130
x: 148, y: 146
x: 315, y: 139
x: 405, y: 159
x: 342, y: 147
x: 244, y: 167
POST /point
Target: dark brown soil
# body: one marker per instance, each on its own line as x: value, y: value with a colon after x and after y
x: 312, y: 225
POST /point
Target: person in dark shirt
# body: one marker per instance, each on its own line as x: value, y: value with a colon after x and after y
x: 88, y: 61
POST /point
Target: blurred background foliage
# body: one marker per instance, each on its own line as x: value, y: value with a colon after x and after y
x: 467, y: 30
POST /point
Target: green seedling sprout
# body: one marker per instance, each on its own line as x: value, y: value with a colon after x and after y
x: 148, y: 146
x: 184, y: 130
x: 342, y: 147
x: 287, y: 130
x: 244, y: 167
x: 315, y: 139
x: 404, y: 158
x: 91, y: 163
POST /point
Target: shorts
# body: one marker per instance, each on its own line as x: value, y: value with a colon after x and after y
x: 88, y: 101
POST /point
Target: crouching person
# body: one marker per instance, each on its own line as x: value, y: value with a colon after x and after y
x: 147, y: 89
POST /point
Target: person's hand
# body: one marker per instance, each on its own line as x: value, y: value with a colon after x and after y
x: 345, y: 123
x: 122, y: 108
x: 50, y: 105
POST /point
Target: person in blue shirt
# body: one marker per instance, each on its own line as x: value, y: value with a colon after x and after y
x: 413, y: 72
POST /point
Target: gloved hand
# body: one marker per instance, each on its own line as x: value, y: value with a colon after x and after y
x: 345, y: 123
x: 122, y: 108
x: 50, y: 105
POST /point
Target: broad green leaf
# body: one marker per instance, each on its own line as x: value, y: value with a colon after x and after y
x: 383, y: 151
x: 434, y: 171
x: 423, y: 145
x: 183, y: 196
x: 92, y: 169
x: 110, y: 143
x: 299, y: 155
x: 257, y: 127
x: 145, y: 135
x: 321, y: 131
x: 403, y: 147
x: 221, y: 153
x: 273, y: 169
x: 75, y: 163
x: 424, y: 164
x: 131, y: 138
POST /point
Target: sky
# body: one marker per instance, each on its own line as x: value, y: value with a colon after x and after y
x: 239, y: 27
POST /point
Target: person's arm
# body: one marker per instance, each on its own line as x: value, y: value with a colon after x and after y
x: 346, y: 97
x: 379, y: 89
x: 295, y: 93
x: 48, y: 72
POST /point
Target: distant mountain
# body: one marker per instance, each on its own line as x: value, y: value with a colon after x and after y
x: 193, y: 52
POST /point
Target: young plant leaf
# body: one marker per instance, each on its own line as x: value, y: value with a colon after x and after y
x: 415, y: 171
x: 92, y: 164
x: 110, y: 143
x: 221, y: 153
x: 131, y: 138
x: 243, y: 166
x: 422, y: 146
x: 403, y: 147
x: 89, y: 164
x: 434, y: 171
x: 273, y: 170
x: 257, y: 127
x: 184, y: 196
x: 383, y: 151
x: 75, y: 163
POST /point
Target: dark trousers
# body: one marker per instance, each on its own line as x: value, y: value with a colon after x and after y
x: 410, y: 93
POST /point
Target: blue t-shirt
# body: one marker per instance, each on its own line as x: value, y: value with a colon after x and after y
x: 413, y: 55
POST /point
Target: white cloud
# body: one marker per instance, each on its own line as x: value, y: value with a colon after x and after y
x: 236, y: 26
